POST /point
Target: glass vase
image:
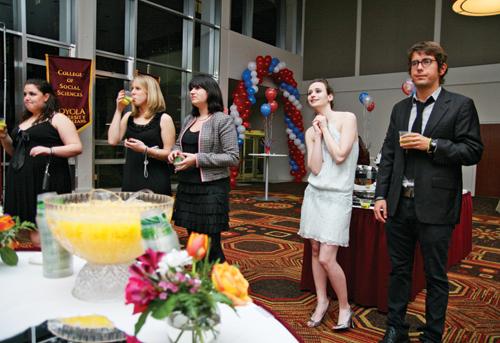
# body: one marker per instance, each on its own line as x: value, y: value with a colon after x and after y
x: 204, y: 329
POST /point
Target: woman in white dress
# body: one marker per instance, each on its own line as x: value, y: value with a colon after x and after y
x: 332, y: 153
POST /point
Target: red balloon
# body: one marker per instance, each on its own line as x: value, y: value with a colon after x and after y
x: 246, y: 125
x: 271, y: 94
x: 371, y: 106
x: 274, y: 106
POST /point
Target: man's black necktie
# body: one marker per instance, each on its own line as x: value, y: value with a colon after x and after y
x: 416, y: 127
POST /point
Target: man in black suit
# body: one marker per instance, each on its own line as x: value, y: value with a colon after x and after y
x: 419, y: 186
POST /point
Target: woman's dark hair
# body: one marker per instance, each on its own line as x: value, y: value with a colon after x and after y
x: 329, y: 89
x: 214, y: 99
x: 51, y: 105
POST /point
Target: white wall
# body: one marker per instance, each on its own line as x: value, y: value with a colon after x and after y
x: 236, y: 51
x: 481, y: 83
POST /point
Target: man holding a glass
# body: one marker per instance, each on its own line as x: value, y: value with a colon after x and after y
x: 431, y: 135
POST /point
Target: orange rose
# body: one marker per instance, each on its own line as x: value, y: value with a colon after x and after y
x: 229, y: 281
x: 197, y: 245
x: 6, y: 223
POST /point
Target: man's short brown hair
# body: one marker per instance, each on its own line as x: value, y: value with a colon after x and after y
x: 433, y: 49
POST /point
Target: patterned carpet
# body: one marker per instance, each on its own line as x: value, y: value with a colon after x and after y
x: 264, y: 243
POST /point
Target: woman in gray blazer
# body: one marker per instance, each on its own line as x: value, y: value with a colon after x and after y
x: 205, y: 149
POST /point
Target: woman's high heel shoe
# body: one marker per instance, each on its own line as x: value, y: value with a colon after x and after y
x: 315, y: 323
x: 348, y: 324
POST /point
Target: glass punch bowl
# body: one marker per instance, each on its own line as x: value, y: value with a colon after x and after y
x: 103, y: 228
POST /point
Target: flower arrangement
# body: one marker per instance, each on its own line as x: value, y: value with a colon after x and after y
x: 9, y: 227
x: 184, y: 282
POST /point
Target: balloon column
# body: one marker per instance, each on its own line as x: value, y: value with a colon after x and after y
x: 244, y: 97
x: 368, y: 105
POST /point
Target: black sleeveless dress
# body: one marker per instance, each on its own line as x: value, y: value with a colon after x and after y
x: 157, y: 177
x: 25, y: 173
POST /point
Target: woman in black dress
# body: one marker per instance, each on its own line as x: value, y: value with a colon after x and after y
x: 208, y: 146
x: 42, y: 135
x: 149, y: 135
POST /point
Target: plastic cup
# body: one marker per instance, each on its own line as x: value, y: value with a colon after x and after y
x: 178, y: 159
x: 401, y: 134
x: 3, y: 124
x: 127, y: 99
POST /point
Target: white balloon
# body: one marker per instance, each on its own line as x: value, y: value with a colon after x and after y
x: 367, y: 100
x: 233, y: 107
x: 283, y: 65
x: 302, y: 146
x: 252, y: 66
x: 253, y: 73
x: 238, y: 121
x: 297, y: 141
x: 299, y: 106
x: 292, y: 136
x: 276, y: 69
x: 255, y: 80
x: 241, y: 136
x: 255, y: 88
x: 291, y: 98
x: 286, y: 94
x: 288, y: 131
x: 241, y: 129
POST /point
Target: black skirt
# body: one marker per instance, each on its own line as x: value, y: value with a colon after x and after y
x: 203, y: 207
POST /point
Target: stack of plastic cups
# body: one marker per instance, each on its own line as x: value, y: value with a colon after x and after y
x: 57, y: 261
x: 157, y: 233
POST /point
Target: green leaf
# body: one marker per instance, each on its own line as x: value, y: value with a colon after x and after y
x: 221, y: 298
x: 9, y: 256
x: 141, y: 321
x: 166, y: 308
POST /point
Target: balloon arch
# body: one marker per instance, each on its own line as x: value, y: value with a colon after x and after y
x: 244, y: 97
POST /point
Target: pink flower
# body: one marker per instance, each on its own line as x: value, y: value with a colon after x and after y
x: 132, y: 339
x: 150, y: 260
x: 140, y: 293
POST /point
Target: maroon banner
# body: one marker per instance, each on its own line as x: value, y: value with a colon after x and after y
x: 71, y: 80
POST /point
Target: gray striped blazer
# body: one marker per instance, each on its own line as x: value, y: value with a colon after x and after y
x: 217, y: 146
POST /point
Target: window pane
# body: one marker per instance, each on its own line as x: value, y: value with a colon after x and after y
x: 11, y: 99
x: 38, y: 51
x: 34, y: 71
x: 159, y: 36
x: 109, y: 64
x: 111, y: 26
x: 177, y: 5
x: 42, y: 18
x: 171, y: 86
x: 106, y: 90
x: 105, y: 151
x: 469, y: 40
x: 206, y: 48
x: 7, y: 13
x: 207, y: 10
x: 237, y: 16
x: 399, y: 24
x: 265, y: 20
x: 109, y: 176
x: 329, y: 39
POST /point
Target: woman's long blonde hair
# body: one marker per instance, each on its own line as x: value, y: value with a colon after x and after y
x: 155, y: 101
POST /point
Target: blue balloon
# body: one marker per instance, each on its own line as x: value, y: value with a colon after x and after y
x: 240, y: 141
x: 283, y: 85
x: 252, y: 99
x: 265, y: 109
x: 250, y: 91
x: 362, y: 96
x: 275, y: 61
x: 247, y: 74
x: 248, y: 84
x: 287, y: 120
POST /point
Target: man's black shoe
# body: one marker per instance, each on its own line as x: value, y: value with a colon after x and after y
x: 392, y: 336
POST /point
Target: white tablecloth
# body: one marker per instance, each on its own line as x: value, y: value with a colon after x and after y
x: 28, y: 299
